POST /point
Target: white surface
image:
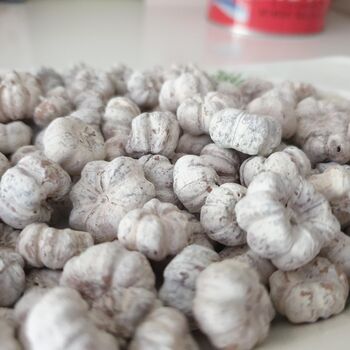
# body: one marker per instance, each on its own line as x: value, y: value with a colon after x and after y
x: 331, y: 334
x: 104, y: 31
x: 331, y: 74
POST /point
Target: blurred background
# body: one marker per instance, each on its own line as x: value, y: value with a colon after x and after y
x: 144, y: 33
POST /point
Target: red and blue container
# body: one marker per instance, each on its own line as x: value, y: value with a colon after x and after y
x: 271, y: 16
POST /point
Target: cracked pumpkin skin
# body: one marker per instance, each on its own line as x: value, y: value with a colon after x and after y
x: 190, y: 144
x: 163, y: 328
x: 72, y: 143
x: 218, y: 215
x: 224, y: 161
x: 27, y: 188
x: 155, y: 132
x: 287, y: 222
x: 19, y: 95
x: 175, y: 91
x: 194, y: 179
x: 245, y: 132
x: 315, y: 291
x: 157, y: 229
x: 12, y: 277
x: 180, y: 276
x: 323, y: 131
x: 4, y: 164
x: 105, y: 192
x: 13, y: 136
x: 60, y: 320
x: 243, y: 253
x: 290, y: 162
x: 194, y: 114
x: 118, y: 284
x: 230, y: 291
x: 41, y: 245
x: 159, y: 171
x: 8, y: 335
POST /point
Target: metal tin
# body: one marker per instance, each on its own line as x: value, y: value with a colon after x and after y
x: 271, y: 16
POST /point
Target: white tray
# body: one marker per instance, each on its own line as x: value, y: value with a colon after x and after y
x: 333, y: 75
x: 328, y: 73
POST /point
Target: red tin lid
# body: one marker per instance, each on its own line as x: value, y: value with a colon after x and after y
x: 274, y: 16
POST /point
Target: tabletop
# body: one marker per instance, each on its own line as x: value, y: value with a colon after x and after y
x: 142, y: 34
x: 102, y: 32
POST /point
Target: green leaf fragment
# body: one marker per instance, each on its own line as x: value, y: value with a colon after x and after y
x: 233, y: 78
